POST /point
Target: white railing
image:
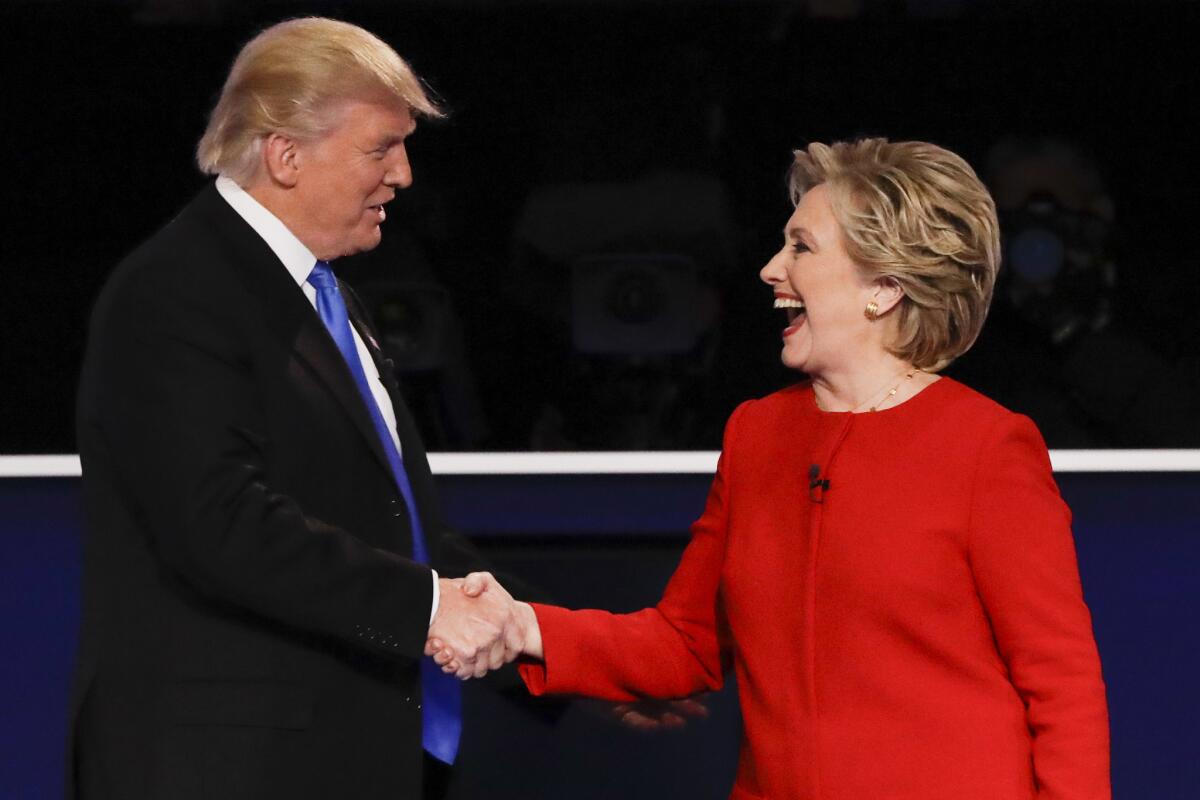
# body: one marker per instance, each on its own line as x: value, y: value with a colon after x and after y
x: 700, y: 462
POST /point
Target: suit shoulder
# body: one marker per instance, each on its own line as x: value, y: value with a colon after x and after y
x: 784, y: 402
x: 768, y: 411
x: 978, y: 427
x: 967, y: 407
x: 174, y: 249
x: 177, y: 260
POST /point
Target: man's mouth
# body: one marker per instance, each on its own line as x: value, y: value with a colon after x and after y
x: 796, y: 313
x: 378, y: 211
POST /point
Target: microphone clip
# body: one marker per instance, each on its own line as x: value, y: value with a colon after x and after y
x: 817, y: 486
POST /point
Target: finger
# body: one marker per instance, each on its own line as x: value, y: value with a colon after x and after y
x: 638, y: 721
x: 432, y: 646
x: 690, y: 708
x: 451, y: 667
x: 497, y: 657
x: 443, y: 657
x: 670, y: 720
x: 476, y: 583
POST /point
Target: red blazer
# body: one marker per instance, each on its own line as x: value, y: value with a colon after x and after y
x: 913, y: 630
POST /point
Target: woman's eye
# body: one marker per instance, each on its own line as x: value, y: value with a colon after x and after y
x: 800, y: 247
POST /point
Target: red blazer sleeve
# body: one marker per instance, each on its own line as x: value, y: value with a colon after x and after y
x: 670, y: 650
x: 1023, y: 559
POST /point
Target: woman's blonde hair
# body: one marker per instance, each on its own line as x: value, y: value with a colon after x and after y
x: 290, y: 78
x: 917, y: 214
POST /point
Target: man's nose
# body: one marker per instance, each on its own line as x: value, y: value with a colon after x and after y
x: 399, y: 173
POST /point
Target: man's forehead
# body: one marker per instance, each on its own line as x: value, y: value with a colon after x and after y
x: 380, y: 112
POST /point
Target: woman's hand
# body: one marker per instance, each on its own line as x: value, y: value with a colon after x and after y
x: 656, y: 715
x: 523, y: 638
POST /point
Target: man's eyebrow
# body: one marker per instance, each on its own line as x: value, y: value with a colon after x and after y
x: 396, y: 138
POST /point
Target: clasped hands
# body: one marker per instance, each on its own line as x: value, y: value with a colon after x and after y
x: 479, y: 627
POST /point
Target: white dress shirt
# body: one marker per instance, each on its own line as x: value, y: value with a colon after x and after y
x: 299, y: 261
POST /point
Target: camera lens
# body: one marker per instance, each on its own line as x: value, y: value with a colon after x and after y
x: 635, y: 297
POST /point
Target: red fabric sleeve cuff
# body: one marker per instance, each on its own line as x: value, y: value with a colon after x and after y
x: 536, y: 674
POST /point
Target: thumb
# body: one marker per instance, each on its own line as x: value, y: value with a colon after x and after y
x: 474, y: 585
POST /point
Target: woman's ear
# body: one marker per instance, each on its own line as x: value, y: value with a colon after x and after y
x: 887, y: 295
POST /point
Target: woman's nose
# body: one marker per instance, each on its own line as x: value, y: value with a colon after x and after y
x: 772, y: 272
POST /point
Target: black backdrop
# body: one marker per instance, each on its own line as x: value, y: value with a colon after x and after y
x: 103, y: 110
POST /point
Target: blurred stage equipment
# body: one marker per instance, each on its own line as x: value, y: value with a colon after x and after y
x: 616, y: 283
x: 1061, y: 274
x: 1056, y: 215
x: 422, y: 336
x: 634, y: 304
x: 415, y: 321
x: 1069, y: 344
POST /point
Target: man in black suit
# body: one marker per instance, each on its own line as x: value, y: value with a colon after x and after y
x: 263, y: 532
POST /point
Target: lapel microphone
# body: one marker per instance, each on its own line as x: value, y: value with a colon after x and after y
x: 816, y: 485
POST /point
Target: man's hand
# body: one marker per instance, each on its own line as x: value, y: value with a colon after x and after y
x: 477, y: 622
x: 520, y: 635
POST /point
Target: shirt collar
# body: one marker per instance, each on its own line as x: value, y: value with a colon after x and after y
x: 297, y: 258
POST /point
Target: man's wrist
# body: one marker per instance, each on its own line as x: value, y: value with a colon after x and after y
x: 437, y: 596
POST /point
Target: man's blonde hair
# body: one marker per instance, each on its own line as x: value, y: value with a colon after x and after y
x: 289, y: 80
x: 916, y: 213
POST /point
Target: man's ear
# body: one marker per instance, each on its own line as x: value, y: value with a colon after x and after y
x: 887, y: 295
x: 280, y: 157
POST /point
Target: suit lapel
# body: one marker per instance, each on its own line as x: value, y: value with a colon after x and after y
x: 416, y: 462
x: 289, y: 313
x: 406, y: 431
x: 316, y: 347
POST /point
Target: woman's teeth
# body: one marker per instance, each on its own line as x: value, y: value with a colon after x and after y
x: 793, y: 307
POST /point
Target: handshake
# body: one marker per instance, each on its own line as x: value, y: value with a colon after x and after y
x: 479, y: 627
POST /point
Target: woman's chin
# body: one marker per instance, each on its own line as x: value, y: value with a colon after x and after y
x: 791, y: 361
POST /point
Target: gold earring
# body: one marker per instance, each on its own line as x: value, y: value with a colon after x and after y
x: 872, y: 311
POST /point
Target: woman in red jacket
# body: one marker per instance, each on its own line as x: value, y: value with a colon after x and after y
x: 884, y: 555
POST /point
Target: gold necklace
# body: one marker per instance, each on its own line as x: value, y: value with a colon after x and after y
x: 891, y: 392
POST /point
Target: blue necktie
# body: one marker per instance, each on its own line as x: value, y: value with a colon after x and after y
x: 441, y: 719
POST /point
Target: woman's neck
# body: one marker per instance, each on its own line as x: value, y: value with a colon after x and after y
x: 883, y: 382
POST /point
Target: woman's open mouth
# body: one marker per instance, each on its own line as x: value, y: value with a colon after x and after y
x: 794, y: 308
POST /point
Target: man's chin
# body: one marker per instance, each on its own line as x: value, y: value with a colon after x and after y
x: 367, y: 241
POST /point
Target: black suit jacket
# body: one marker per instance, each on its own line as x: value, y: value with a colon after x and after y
x: 252, y: 620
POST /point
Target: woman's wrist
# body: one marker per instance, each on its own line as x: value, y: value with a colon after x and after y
x: 532, y: 631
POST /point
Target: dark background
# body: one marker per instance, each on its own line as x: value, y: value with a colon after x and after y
x: 656, y: 134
